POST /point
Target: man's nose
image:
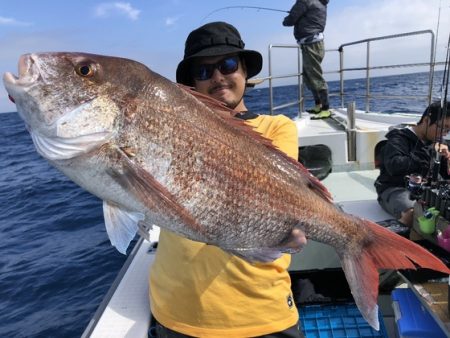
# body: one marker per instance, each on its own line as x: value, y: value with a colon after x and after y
x: 216, y: 75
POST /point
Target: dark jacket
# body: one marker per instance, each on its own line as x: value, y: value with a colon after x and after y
x: 308, y: 17
x: 404, y: 154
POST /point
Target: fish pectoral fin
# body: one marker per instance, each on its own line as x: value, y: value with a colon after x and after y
x: 154, y: 196
x: 121, y: 225
x: 62, y: 148
x: 294, y: 243
x: 254, y: 255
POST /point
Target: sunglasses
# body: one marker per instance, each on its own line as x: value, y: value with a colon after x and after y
x: 225, y: 66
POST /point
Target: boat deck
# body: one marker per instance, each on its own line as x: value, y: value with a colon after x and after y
x: 125, y: 310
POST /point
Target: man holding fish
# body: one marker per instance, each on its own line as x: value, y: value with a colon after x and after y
x: 199, y: 289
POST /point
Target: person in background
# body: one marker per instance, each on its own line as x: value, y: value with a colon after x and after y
x: 198, y: 289
x: 309, y: 18
x: 409, y: 151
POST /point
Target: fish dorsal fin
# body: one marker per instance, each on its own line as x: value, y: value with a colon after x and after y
x: 121, y: 225
x: 313, y: 182
x: 229, y: 116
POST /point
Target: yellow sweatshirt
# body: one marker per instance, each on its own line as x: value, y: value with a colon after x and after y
x: 200, y: 290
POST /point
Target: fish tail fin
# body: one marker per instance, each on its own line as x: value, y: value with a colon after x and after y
x: 383, y: 250
x: 362, y: 277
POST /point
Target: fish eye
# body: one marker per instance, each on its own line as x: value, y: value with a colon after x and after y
x: 85, y: 70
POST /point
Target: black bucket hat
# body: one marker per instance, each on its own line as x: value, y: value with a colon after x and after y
x: 214, y: 39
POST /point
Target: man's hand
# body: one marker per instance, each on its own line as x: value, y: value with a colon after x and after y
x: 298, y: 240
x: 442, y: 148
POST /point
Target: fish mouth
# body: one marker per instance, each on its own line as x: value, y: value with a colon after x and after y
x: 28, y: 73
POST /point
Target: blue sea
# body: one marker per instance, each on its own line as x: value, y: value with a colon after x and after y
x: 56, y: 262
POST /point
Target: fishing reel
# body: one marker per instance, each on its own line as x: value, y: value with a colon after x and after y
x: 444, y: 190
x: 415, y: 184
x: 438, y: 197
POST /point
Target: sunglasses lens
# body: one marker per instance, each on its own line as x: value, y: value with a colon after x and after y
x: 226, y: 66
x: 204, y: 72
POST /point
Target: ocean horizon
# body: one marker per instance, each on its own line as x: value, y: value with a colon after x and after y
x: 351, y: 87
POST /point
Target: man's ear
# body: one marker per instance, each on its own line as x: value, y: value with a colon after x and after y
x: 426, y: 120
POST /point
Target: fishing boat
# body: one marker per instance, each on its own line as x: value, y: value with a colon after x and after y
x: 348, y: 141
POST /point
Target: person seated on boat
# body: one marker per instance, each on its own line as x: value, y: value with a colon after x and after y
x: 409, y: 151
x: 198, y: 289
x: 309, y: 18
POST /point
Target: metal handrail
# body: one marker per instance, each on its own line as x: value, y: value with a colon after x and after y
x: 341, y: 71
x: 298, y: 75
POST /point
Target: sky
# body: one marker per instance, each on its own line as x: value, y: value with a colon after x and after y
x: 154, y: 31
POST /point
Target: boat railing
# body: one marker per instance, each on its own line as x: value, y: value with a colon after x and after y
x: 342, y: 71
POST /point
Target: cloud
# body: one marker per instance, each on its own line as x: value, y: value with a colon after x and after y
x: 389, y: 17
x: 107, y: 9
x: 12, y: 22
x: 170, y: 21
x: 386, y: 17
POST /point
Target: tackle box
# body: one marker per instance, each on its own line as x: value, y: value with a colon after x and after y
x: 413, y: 319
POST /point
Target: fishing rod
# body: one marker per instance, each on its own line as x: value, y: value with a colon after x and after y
x: 245, y: 7
x: 434, y: 163
x: 443, y: 113
x: 434, y: 166
x: 435, y: 49
x: 437, y: 192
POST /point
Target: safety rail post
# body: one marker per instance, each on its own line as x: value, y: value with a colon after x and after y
x: 368, y: 77
x: 341, y: 75
x: 300, y: 86
x: 270, y: 80
x: 351, y: 131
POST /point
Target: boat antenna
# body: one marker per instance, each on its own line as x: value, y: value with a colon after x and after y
x: 244, y: 7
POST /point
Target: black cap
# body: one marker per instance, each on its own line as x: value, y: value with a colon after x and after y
x: 434, y: 112
x: 215, y: 39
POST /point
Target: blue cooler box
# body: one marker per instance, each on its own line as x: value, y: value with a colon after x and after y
x: 413, y: 319
x: 337, y: 321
